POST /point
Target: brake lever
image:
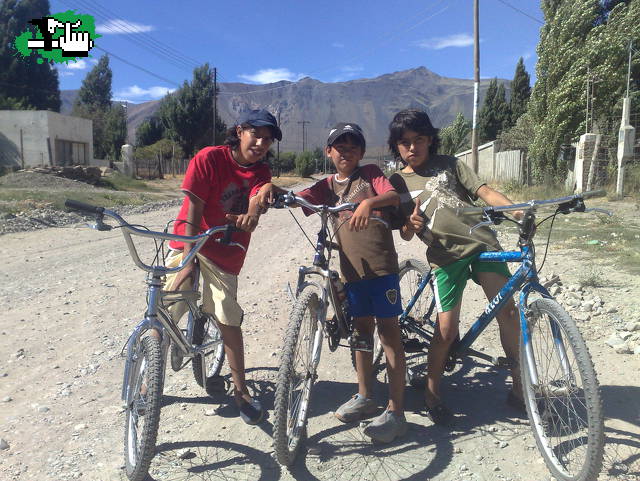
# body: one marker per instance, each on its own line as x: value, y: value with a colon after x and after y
x: 481, y: 224
x: 100, y: 225
x: 599, y: 210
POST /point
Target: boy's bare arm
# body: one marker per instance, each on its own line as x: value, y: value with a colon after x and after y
x: 360, y: 218
x: 494, y: 198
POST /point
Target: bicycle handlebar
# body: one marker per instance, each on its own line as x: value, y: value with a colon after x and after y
x: 128, y: 230
x: 532, y: 204
x: 290, y: 199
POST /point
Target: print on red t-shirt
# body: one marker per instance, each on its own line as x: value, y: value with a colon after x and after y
x: 225, y: 187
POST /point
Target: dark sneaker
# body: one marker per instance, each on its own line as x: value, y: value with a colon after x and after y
x: 386, y: 427
x: 251, y: 412
x: 356, y: 408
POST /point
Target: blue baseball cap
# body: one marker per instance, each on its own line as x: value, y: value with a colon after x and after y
x: 260, y: 118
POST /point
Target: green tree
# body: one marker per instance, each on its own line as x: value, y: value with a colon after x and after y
x: 305, y: 164
x: 23, y: 79
x: 519, y: 136
x: 287, y: 161
x: 580, y: 39
x: 115, y: 130
x: 520, y: 93
x: 149, y: 131
x: 186, y: 114
x: 96, y: 86
x: 494, y: 114
x: 454, y: 138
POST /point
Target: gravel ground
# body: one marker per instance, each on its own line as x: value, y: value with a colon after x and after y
x: 71, y: 295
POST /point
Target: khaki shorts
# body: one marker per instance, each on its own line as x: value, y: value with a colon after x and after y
x: 219, y: 291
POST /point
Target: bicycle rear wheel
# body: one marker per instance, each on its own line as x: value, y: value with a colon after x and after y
x: 206, y: 330
x: 564, y: 407
x: 143, y: 414
x: 296, y: 375
x: 417, y: 328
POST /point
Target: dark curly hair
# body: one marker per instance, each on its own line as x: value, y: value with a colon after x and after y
x: 416, y: 120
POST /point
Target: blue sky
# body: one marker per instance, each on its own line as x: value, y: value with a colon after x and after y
x: 265, y: 41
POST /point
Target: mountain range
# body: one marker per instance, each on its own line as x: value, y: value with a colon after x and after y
x: 371, y: 103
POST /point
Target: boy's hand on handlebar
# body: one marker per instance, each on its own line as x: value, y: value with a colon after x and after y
x: 245, y: 222
x: 360, y: 218
x: 265, y: 196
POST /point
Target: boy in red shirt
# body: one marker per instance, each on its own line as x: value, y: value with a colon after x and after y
x: 221, y: 185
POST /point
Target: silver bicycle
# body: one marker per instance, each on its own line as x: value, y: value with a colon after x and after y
x: 318, y: 288
x: 148, y: 345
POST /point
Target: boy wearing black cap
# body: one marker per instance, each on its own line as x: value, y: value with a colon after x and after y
x: 369, y: 266
x: 222, y: 185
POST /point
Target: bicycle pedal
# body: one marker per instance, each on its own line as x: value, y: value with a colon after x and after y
x: 414, y: 345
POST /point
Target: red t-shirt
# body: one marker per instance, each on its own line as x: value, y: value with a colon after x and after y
x: 225, y: 187
x: 369, y: 253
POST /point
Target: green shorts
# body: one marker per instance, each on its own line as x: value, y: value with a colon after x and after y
x: 449, y: 281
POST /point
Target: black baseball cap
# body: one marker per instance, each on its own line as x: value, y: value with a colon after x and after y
x: 343, y: 128
x: 260, y: 118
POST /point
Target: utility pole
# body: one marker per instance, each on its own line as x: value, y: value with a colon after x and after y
x: 304, y: 137
x: 476, y: 86
x: 215, y: 103
x: 278, y: 150
x: 626, y: 134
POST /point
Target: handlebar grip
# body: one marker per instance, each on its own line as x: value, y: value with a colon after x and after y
x: 230, y: 229
x: 593, y: 193
x: 82, y: 207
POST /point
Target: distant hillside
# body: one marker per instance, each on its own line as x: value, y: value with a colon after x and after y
x: 368, y: 102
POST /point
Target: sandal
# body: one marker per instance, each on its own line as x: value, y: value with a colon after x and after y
x: 439, y: 414
x: 251, y: 412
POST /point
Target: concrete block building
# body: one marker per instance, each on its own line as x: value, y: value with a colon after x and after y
x: 31, y: 138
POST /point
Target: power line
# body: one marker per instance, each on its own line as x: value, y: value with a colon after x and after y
x: 522, y: 12
x: 138, y: 67
x: 139, y: 38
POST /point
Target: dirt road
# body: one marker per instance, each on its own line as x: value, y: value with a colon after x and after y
x: 71, y: 295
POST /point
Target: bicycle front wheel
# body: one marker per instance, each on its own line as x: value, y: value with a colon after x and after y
x: 143, y: 413
x: 416, y: 326
x: 296, y: 375
x: 564, y: 405
x: 205, y: 330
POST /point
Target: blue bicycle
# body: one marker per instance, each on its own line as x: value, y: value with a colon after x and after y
x: 561, y: 391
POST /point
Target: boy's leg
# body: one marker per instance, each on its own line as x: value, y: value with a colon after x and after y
x: 508, y: 322
x: 219, y: 295
x: 364, y: 359
x: 445, y: 334
x: 389, y: 333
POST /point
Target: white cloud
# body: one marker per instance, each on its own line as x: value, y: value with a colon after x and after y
x: 438, y: 43
x: 77, y: 65
x: 137, y: 93
x: 270, y: 75
x: 122, y: 27
x: 65, y: 73
x: 337, y: 45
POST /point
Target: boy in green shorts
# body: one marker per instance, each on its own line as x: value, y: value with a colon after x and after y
x: 431, y: 188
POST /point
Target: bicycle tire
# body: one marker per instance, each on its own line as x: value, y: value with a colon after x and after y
x: 139, y: 449
x: 205, y: 330
x: 411, y: 273
x: 294, y: 383
x: 566, y: 418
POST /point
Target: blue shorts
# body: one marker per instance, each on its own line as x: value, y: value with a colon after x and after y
x: 379, y: 297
